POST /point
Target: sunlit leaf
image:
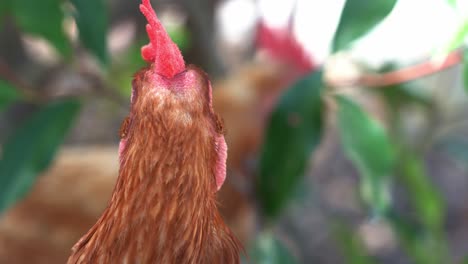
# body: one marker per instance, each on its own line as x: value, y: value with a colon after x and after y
x: 460, y: 36
x: 43, y: 18
x: 425, y: 198
x: 457, y: 40
x: 292, y: 135
x: 366, y: 144
x: 91, y: 18
x: 31, y: 148
x: 8, y: 94
x: 359, y: 17
x: 268, y: 250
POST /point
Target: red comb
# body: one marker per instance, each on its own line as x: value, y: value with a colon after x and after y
x: 161, y: 51
x: 283, y: 46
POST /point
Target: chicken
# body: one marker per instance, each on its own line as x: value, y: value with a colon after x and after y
x: 172, y: 163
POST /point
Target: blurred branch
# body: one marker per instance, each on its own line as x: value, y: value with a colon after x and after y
x: 103, y: 88
x: 7, y: 74
x: 407, y: 74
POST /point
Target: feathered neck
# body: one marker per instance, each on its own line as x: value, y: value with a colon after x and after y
x: 163, y: 208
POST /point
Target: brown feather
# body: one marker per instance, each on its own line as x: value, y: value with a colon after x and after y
x: 163, y: 208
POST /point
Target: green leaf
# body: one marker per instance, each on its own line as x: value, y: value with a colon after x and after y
x: 417, y: 241
x: 268, y: 250
x: 400, y: 95
x: 460, y: 36
x: 43, y: 18
x: 4, y: 9
x: 465, y: 260
x: 292, y: 134
x: 31, y: 148
x: 91, y: 18
x: 366, y: 144
x: 465, y: 69
x: 411, y: 239
x: 359, y: 17
x: 425, y: 198
x: 8, y: 94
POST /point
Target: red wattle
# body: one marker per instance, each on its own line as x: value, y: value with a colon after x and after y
x: 161, y: 51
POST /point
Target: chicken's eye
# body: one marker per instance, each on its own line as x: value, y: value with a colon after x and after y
x: 124, y: 128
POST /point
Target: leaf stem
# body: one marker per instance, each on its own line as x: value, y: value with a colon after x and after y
x: 7, y: 74
x: 404, y: 75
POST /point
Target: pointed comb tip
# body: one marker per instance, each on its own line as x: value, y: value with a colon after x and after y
x: 161, y: 50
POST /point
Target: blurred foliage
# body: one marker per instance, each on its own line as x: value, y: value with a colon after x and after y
x: 46, y: 19
x: 269, y: 250
x: 353, y: 249
x: 368, y: 147
x: 424, y: 232
x: 122, y: 70
x: 421, y: 245
x: 91, y: 18
x: 456, y: 147
x: 293, y: 133
x: 424, y: 197
x: 459, y: 37
x: 452, y: 2
x: 357, y: 18
x: 401, y: 95
x: 8, y: 94
x: 31, y: 148
x: 4, y: 7
x: 180, y: 35
x: 465, y: 260
x: 43, y: 18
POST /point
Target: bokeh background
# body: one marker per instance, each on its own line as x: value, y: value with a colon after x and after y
x: 347, y: 122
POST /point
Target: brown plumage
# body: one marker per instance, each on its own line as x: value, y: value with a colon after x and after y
x: 172, y: 162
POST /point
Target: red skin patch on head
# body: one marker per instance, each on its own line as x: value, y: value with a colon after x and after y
x: 220, y: 169
x: 161, y: 51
